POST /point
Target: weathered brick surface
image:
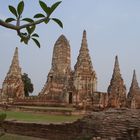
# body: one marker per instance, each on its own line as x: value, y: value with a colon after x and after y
x: 106, y: 125
x: 133, y: 97
x: 116, y: 89
x: 117, y: 124
x: 85, y: 78
x: 77, y: 87
x: 66, y: 85
x: 57, y: 84
x: 13, y: 86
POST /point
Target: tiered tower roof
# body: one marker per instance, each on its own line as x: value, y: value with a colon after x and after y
x: 116, y: 89
x: 13, y: 85
x: 84, y: 60
x: 134, y: 88
x: 15, y: 68
x: 116, y: 71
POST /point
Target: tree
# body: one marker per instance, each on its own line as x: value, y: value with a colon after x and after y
x: 25, y: 27
x: 28, y: 86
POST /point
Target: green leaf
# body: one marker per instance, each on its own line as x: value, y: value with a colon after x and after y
x: 44, y: 6
x: 24, y: 39
x: 9, y: 20
x: 36, y: 42
x: 28, y: 19
x: 20, y: 8
x: 35, y: 35
x: 58, y: 22
x: 13, y: 10
x: 31, y: 29
x: 54, y: 6
x: 28, y: 29
x: 39, y: 15
x: 46, y: 21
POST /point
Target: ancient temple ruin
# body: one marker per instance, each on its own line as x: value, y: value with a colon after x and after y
x: 72, y: 86
x: 116, y: 89
x: 133, y: 97
x: 57, y: 85
x: 66, y: 85
x: 13, y: 86
x: 84, y: 76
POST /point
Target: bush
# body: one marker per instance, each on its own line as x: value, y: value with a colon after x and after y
x: 2, y: 117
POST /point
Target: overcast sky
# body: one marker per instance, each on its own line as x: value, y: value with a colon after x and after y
x: 113, y: 28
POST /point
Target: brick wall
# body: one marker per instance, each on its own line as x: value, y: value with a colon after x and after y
x: 106, y: 125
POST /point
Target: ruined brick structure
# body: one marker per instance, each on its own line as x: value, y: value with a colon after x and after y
x: 85, y: 79
x: 57, y: 85
x: 116, y: 89
x: 99, y: 100
x: 112, y: 124
x: 13, y: 86
x: 76, y: 87
x: 66, y: 85
x: 133, y: 97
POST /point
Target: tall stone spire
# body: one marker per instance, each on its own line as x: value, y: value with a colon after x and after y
x: 13, y: 86
x: 84, y: 57
x: 15, y: 68
x: 85, y: 80
x: 84, y: 45
x: 134, y: 88
x: 116, y: 71
x: 133, y: 97
x: 61, y: 56
x: 116, y: 89
x: 57, y: 85
x: 134, y: 83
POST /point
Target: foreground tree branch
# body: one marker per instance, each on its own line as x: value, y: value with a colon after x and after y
x: 8, y: 25
x: 29, y: 24
x: 33, y: 23
x: 15, y: 27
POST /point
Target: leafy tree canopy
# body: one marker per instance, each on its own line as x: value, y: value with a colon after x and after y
x: 28, y: 86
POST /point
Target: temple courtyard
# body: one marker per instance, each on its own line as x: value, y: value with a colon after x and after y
x: 40, y: 114
x: 50, y: 123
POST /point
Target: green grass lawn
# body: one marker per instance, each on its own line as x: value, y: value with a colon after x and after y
x: 18, y: 137
x: 39, y: 118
